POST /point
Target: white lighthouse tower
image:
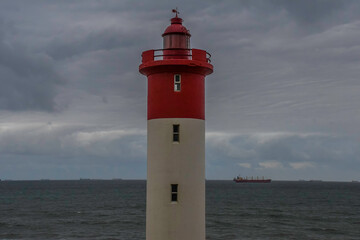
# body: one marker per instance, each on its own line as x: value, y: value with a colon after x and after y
x: 175, y: 202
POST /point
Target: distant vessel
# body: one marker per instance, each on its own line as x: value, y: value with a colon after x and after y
x: 239, y: 179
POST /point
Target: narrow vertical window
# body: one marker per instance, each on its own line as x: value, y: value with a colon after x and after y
x: 174, y: 192
x: 177, y: 82
x: 176, y: 133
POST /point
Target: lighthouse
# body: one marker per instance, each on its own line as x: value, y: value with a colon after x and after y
x: 175, y: 197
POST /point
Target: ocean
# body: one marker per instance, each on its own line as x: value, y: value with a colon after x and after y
x: 115, y: 209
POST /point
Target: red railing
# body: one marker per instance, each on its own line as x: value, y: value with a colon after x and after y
x: 176, y: 53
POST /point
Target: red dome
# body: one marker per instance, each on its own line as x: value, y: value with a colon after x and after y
x: 176, y: 27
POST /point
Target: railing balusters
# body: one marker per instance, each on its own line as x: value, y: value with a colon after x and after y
x: 159, y: 55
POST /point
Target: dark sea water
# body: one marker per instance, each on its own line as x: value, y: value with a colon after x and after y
x: 116, y: 210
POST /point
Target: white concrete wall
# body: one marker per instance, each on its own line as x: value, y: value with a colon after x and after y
x: 180, y: 163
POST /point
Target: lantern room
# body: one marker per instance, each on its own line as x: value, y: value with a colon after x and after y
x: 176, y: 35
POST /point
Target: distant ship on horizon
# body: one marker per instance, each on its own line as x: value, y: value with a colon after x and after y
x: 239, y: 179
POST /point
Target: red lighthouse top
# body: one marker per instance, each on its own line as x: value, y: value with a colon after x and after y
x: 176, y: 26
x: 176, y: 75
x: 176, y: 35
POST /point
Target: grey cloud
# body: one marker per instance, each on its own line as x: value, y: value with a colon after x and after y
x: 67, y: 151
x: 284, y: 150
x: 73, y: 142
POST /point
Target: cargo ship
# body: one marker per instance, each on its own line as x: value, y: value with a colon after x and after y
x: 239, y: 179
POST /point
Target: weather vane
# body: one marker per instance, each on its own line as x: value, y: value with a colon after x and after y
x: 176, y: 11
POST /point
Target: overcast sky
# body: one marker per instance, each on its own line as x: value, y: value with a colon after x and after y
x: 283, y: 101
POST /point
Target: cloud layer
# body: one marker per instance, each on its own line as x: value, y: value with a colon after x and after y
x: 283, y: 100
x: 290, y: 155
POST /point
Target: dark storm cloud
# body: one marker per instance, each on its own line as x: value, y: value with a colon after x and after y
x: 83, y: 39
x: 28, y: 80
x: 67, y: 47
x: 311, y: 12
x: 274, y: 71
x: 95, y: 48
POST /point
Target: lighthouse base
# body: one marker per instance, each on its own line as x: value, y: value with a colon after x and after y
x: 180, y: 163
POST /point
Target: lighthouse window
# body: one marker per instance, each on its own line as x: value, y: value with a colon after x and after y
x: 174, y: 192
x: 177, y: 82
x: 176, y: 133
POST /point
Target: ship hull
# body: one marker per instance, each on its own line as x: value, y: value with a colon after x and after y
x: 252, y: 181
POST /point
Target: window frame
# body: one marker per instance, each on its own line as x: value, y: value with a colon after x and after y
x: 174, y: 196
x: 176, y: 133
x: 177, y: 82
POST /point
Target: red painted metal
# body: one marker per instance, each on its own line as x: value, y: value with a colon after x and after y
x: 164, y: 102
x: 176, y: 27
x: 161, y: 65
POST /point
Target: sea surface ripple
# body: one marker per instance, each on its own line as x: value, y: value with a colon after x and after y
x: 115, y: 209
